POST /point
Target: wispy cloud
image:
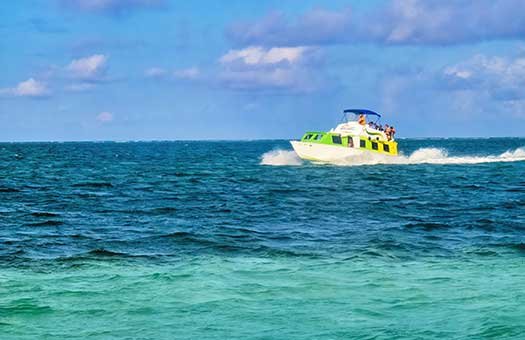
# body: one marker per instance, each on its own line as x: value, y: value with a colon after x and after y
x: 257, y: 55
x: 261, y: 80
x: 191, y: 73
x: 489, y: 79
x: 155, y: 72
x: 111, y: 6
x: 88, y: 68
x: 257, y: 68
x: 29, y: 88
x: 448, y: 22
x: 187, y: 73
x: 503, y: 78
x: 396, y: 22
x: 104, y: 117
x: 465, y: 90
x: 46, y: 26
x: 84, y: 74
x: 316, y: 27
x: 80, y: 87
x: 290, y: 70
x: 87, y: 45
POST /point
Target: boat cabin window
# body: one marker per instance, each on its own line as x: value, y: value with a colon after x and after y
x: 350, y: 142
x: 318, y: 137
x: 374, y: 146
x: 362, y: 143
x: 336, y: 140
x: 308, y: 136
x: 386, y: 148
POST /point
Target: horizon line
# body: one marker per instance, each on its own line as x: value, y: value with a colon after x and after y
x: 229, y: 140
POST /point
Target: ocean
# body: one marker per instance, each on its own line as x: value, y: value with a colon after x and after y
x: 241, y: 239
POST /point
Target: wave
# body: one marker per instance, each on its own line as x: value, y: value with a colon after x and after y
x: 48, y: 223
x: 420, y: 156
x: 280, y: 157
x: 24, y: 306
x: 163, y: 210
x: 428, y: 226
x: 6, y: 189
x: 44, y: 214
x: 520, y: 247
x: 98, y: 253
x: 243, y: 242
x: 93, y: 185
x: 105, y: 253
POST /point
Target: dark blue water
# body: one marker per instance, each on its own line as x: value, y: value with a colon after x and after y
x: 167, y: 240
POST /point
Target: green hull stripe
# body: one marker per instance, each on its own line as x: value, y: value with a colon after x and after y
x: 373, y: 133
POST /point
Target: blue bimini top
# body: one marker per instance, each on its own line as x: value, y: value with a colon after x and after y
x: 362, y: 112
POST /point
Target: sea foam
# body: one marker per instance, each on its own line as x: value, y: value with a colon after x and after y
x: 280, y: 157
x: 420, y: 156
x: 441, y: 156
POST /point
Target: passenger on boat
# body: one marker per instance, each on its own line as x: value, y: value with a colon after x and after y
x: 362, y: 120
x: 388, y: 132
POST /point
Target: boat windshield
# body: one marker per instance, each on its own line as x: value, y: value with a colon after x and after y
x: 365, y: 118
x: 360, y: 115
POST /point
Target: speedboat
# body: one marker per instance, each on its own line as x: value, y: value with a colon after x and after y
x: 352, y: 138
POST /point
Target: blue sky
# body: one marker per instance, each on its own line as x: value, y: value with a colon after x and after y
x: 165, y: 70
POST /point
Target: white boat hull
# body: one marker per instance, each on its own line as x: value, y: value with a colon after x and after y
x: 324, y: 152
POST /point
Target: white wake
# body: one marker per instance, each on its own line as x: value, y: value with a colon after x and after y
x: 420, y: 156
x: 280, y: 157
x: 434, y: 156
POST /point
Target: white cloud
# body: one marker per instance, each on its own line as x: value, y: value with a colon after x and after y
x: 89, y: 68
x: 28, y: 88
x: 257, y: 55
x: 282, y: 69
x: 485, y: 83
x: 111, y: 6
x: 454, y: 71
x: 191, y: 73
x: 503, y: 78
x: 516, y: 108
x: 256, y: 68
x: 390, y: 22
x: 31, y: 88
x: 277, y: 78
x: 105, y: 117
x: 80, y: 87
x: 188, y: 73
x: 155, y: 72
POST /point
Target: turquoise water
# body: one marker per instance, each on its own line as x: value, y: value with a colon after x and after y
x: 210, y: 240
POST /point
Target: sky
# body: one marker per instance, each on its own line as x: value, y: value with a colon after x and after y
x: 173, y: 70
